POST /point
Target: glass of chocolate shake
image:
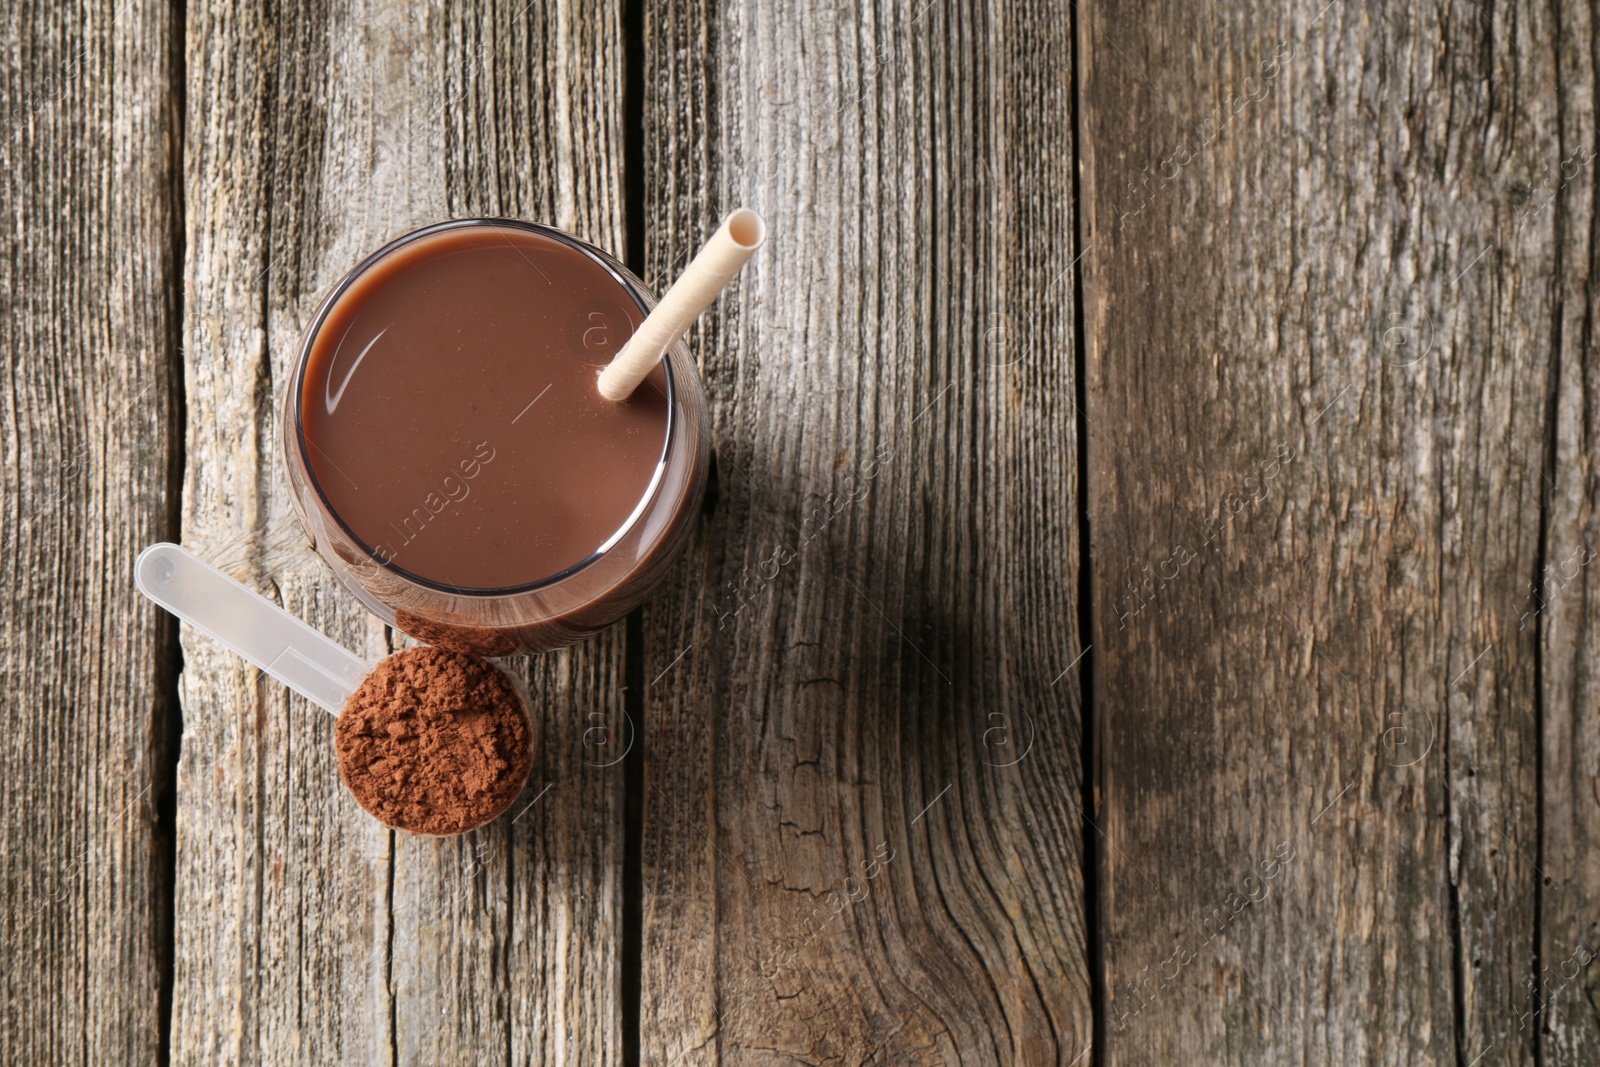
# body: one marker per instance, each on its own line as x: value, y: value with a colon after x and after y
x: 452, y: 458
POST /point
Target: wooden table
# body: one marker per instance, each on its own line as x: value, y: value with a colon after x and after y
x: 1143, y: 614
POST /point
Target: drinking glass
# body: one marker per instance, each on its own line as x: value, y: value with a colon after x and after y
x: 547, y: 611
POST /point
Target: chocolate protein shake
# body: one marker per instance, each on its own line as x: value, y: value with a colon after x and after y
x: 452, y: 457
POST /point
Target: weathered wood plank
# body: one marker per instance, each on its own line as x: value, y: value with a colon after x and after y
x: 1319, y: 375
x: 1340, y: 404
x: 317, y: 134
x: 89, y: 337
x: 525, y: 966
x: 283, y: 884
x: 1564, y: 598
x: 864, y: 639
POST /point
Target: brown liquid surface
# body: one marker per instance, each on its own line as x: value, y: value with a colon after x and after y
x: 451, y: 415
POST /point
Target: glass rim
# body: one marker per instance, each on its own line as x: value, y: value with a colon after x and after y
x: 303, y: 361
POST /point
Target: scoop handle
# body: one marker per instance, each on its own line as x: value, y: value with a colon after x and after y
x: 306, y: 661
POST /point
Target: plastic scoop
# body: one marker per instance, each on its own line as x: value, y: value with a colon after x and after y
x: 306, y: 661
x: 327, y: 674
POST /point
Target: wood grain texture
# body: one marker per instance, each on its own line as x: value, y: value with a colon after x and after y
x: 1320, y: 369
x: 1563, y: 1006
x: 1341, y: 475
x: 283, y: 884
x: 89, y: 332
x: 861, y: 843
x: 307, y: 932
x: 535, y: 131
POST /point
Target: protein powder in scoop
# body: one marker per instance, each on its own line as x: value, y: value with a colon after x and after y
x: 434, y: 742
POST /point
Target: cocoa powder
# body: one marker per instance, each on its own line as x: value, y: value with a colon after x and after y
x: 434, y: 742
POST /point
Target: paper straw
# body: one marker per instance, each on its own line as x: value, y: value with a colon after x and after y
x: 735, y: 241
